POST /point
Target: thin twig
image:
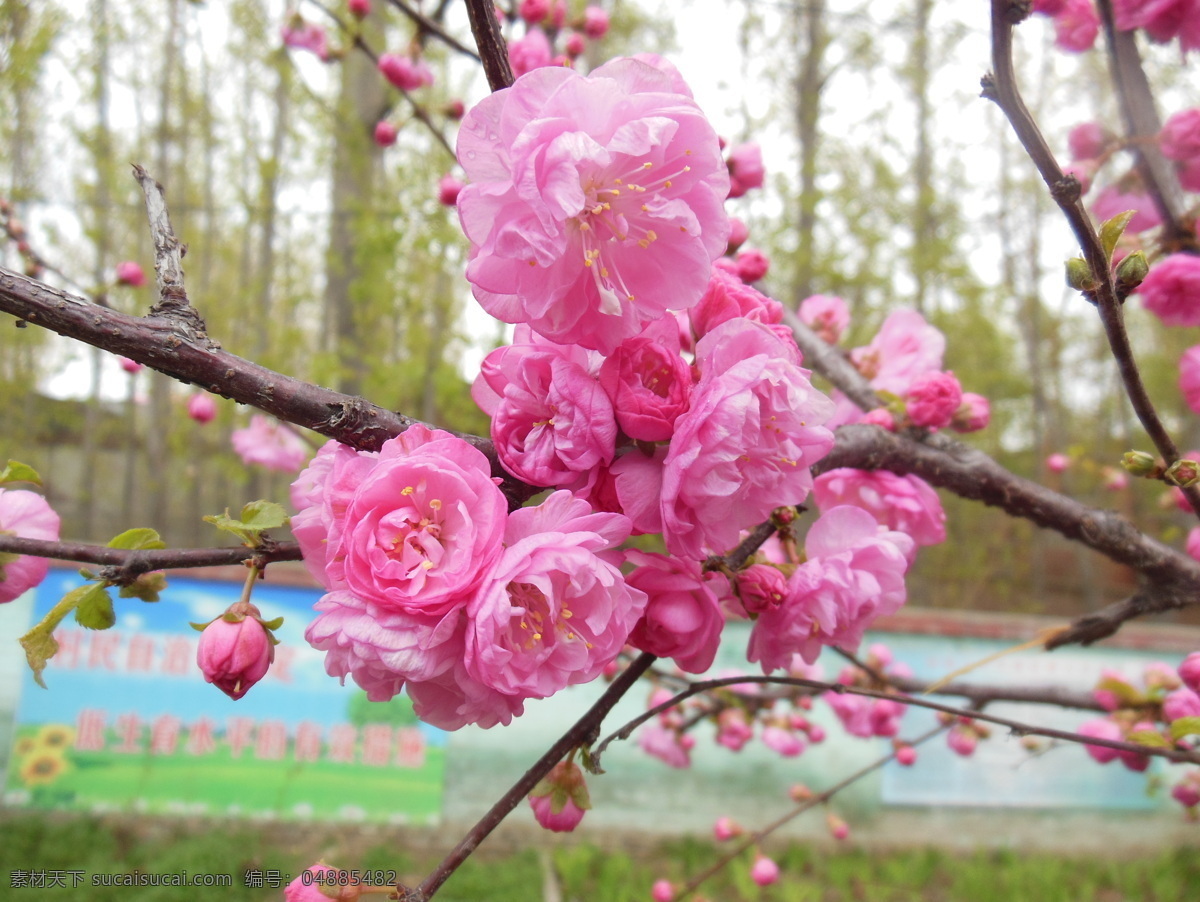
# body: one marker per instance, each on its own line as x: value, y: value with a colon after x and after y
x: 429, y: 26
x: 492, y: 50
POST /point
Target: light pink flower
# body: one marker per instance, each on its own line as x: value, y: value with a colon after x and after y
x: 1180, y: 135
x: 235, y: 650
x: 28, y: 516
x: 973, y: 414
x: 738, y: 233
x: 1088, y: 140
x: 202, y: 408
x: 669, y: 746
x: 1076, y: 26
x: 854, y: 574
x: 1189, y: 670
x: 1101, y: 728
x: 683, y: 620
x: 854, y: 712
x: 745, y: 169
x: 301, y: 35
x: 905, y: 504
x: 880, y: 416
x: 905, y: 347
x: 782, y: 741
x: 962, y: 741
x: 562, y: 821
x: 764, y: 871
x: 932, y: 399
x: 131, y: 274
x: 662, y: 891
x: 551, y: 419
x: 728, y: 297
x: 1171, y: 291
x: 595, y: 203
x: 648, y: 382
x: 1057, y: 463
x: 1189, y: 377
x: 733, y: 730
x: 555, y: 608
x: 638, y: 479
x: 595, y: 22
x: 827, y: 315
x: 726, y: 828
x: 270, y: 444
x: 448, y: 190
x: 752, y: 264
x: 1113, y: 200
x: 530, y: 52
x: 404, y: 72
x: 745, y: 445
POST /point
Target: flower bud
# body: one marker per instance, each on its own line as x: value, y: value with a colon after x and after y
x: 1189, y: 671
x: 906, y: 756
x: 454, y: 109
x: 201, y: 407
x: 726, y: 828
x: 561, y: 798
x: 973, y: 414
x: 448, y: 190
x: 764, y: 871
x: 595, y: 22
x: 129, y: 273
x: 838, y: 828
x: 799, y: 793
x: 575, y: 45
x: 360, y: 9
x: 1183, y: 473
x: 752, y: 264
x: 1139, y: 463
x: 130, y: 366
x: 662, y: 891
x: 1131, y: 271
x: 236, y: 649
x: 385, y: 133
x: 1057, y: 463
x: 1079, y: 275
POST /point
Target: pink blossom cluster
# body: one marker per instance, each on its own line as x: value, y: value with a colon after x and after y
x: 1179, y: 140
x: 1076, y: 22
x: 664, y: 737
x: 905, y: 504
x: 27, y: 515
x: 270, y: 444
x: 300, y: 34
x: 862, y: 716
x: 434, y: 587
x: 544, y: 26
x: 1171, y: 290
x: 1162, y: 20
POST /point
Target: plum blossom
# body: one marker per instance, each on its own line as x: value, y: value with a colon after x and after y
x: 745, y: 169
x: 1181, y: 703
x: 1163, y: 20
x: 752, y: 264
x: 662, y: 891
x: 733, y: 730
x: 531, y: 52
x: 269, y: 444
x: 1189, y: 671
x: 1088, y: 140
x: 385, y: 133
x: 302, y: 35
x: 683, y: 620
x: 932, y: 399
x: 1171, y: 291
x: 533, y: 11
x: 854, y: 573
x: 905, y: 347
x: 235, y: 650
x: 1076, y: 26
x: 201, y: 407
x: 648, y: 382
x: 595, y: 22
x: 449, y: 188
x: 973, y: 414
x: 1180, y: 136
x: 905, y: 504
x: 746, y: 444
x: 560, y: 799
x: 669, y: 746
x: 595, y: 203
x: 27, y: 515
x: 764, y: 871
x: 404, y: 72
x: 728, y: 297
x: 1101, y: 728
x: 1114, y: 199
x: 782, y: 741
x: 308, y: 888
x: 827, y: 315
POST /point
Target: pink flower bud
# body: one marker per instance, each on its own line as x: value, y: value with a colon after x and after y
x: 827, y: 315
x: 761, y: 587
x: 27, y: 515
x: 782, y: 741
x: 973, y: 413
x: 1172, y: 288
x: 595, y: 22
x: 932, y: 399
x: 838, y: 828
x: 962, y: 741
x: 403, y: 72
x: 130, y: 366
x: 1180, y: 136
x: 662, y: 891
x: 385, y: 133
x: 880, y: 416
x: 235, y: 650
x: 752, y: 265
x: 738, y: 233
x: 534, y: 11
x: 1187, y: 791
x: 360, y: 9
x: 1088, y: 140
x: 1179, y: 704
x: 906, y: 756
x: 726, y: 828
x: 1057, y: 463
x: 1189, y: 671
x: 764, y: 872
x: 561, y: 798
x: 799, y: 793
x: 1136, y: 761
x: 201, y: 407
x: 575, y: 45
x: 745, y: 169
x: 129, y: 273
x: 1114, y: 480
x: 448, y: 190
x: 733, y: 730
x: 454, y: 109
x: 320, y: 879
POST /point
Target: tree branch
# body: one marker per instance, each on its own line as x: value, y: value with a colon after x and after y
x: 492, y: 49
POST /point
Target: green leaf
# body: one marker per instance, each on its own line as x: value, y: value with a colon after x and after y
x: 40, y: 646
x: 256, y: 517
x: 140, y: 539
x: 1126, y: 694
x: 146, y: 587
x: 1149, y: 738
x: 94, y: 610
x: 1110, y: 232
x: 15, y: 471
x: 1185, y: 726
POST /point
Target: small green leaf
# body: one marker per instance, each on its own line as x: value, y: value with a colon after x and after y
x: 95, y: 608
x: 1111, y: 231
x: 262, y: 515
x: 146, y: 587
x: 1126, y: 694
x: 272, y: 624
x: 40, y: 646
x: 15, y: 471
x: 140, y: 539
x: 1185, y: 726
x: 1149, y: 738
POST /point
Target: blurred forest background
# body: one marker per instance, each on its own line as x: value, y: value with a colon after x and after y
x: 316, y: 252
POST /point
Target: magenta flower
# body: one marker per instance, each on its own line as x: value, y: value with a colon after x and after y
x: 1088, y: 140
x: 746, y: 444
x: 448, y: 190
x: 301, y: 35
x: 385, y: 133
x: 728, y: 297
x: 648, y: 382
x: 1113, y: 200
x: 745, y: 169
x: 662, y: 891
x: 726, y: 828
x: 360, y: 9
x: 905, y: 504
x: 202, y: 408
x: 1162, y: 19
x: 782, y: 741
x: 1181, y: 703
x: 761, y: 587
x: 269, y: 444
x: 1076, y: 26
x: 308, y: 889
x: 131, y: 274
x: 235, y: 650
x: 827, y: 315
x: 561, y: 798
x: 1101, y: 728
x: 973, y: 414
x: 595, y: 22
x: 1180, y: 136
x: 1189, y: 377
x: 595, y: 203
x: 683, y: 620
x: 1187, y: 792
x: 932, y: 399
x: 733, y: 730
x: 1171, y: 291
x: 404, y: 72
x: 1189, y: 671
x: 555, y: 609
x: 29, y: 516
x: 669, y: 746
x: 132, y: 367
x: 533, y: 11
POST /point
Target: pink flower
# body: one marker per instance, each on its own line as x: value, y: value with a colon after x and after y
x: 733, y: 730
x: 1189, y: 174
x: 962, y: 741
x: 648, y: 382
x: 555, y: 609
x: 1088, y: 140
x: 752, y: 264
x: 906, y: 756
x: 308, y: 889
x: 738, y: 233
x: 1114, y: 480
x: 905, y: 347
x: 745, y: 445
x: 132, y: 367
x: 783, y: 742
x: 669, y: 746
x: 1180, y: 136
x: 1048, y: 7
x: 854, y: 574
x: 1057, y: 463
x: 726, y: 828
x: 561, y: 798
x: 1171, y: 291
x: 586, y: 192
x: 28, y: 516
x: 827, y: 315
x: 529, y: 53
x: 761, y: 587
x: 1187, y: 793
x: 1102, y: 728
x: 269, y: 444
x: 973, y: 414
x: 202, y: 408
x: 360, y: 9
x: 533, y: 11
x: 764, y: 871
x: 1162, y: 19
x: 1113, y: 200
x: 1135, y: 761
x: 235, y: 650
x: 448, y: 190
x: 129, y: 273
x: 575, y: 45
x: 551, y: 419
x: 595, y: 22
x: 1083, y: 173
x: 683, y: 620
x: 854, y: 712
x: 837, y: 827
x: 301, y: 35
x: 1189, y: 670
x: 385, y: 133
x: 880, y: 416
x: 1189, y: 377
x: 745, y: 169
x: 728, y: 297
x: 1076, y: 26
x: 404, y: 72
x: 662, y: 891
x: 1181, y: 703
x: 905, y: 504
x: 932, y: 399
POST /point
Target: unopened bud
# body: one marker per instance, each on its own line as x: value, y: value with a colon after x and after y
x: 799, y: 793
x: 1139, y: 463
x: 1131, y: 271
x: 1183, y: 473
x: 1079, y: 275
